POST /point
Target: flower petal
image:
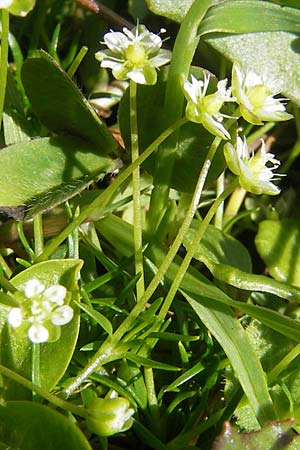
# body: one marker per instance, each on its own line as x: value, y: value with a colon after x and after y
x: 62, y: 315
x: 38, y: 334
x: 55, y: 294
x: 32, y: 288
x: 15, y: 317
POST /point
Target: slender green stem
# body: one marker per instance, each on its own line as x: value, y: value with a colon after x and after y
x: 73, y: 238
x: 193, y: 248
x: 35, y: 369
x: 183, y: 52
x: 106, y: 350
x: 38, y: 235
x: 5, y: 267
x: 152, y: 400
x: 220, y: 212
x: 77, y: 61
x: 24, y: 241
x: 102, y: 200
x: 235, y: 202
x: 4, y: 58
x: 78, y: 410
x: 283, y: 364
x: 137, y: 213
x: 7, y: 285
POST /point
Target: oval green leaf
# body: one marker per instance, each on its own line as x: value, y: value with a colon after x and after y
x: 60, y: 105
x: 219, y: 248
x: 278, y: 243
x: 39, y: 168
x: 31, y: 426
x: 16, y: 352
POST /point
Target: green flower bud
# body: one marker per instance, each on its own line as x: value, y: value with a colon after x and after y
x: 108, y: 416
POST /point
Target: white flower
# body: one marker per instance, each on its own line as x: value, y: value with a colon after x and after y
x: 5, y: 3
x: 42, y: 311
x: 205, y: 109
x: 15, y: 317
x: 134, y: 54
x: 254, y: 175
x: 256, y: 100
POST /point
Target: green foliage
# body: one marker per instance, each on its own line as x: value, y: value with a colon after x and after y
x: 143, y: 293
x: 29, y: 426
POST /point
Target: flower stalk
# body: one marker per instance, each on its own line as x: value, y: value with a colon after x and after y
x: 137, y: 213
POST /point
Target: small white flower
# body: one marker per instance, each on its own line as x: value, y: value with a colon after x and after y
x: 256, y: 100
x: 32, y: 288
x: 254, y: 175
x: 42, y: 311
x: 134, y: 54
x: 38, y: 334
x: 56, y: 294
x: 205, y: 109
x: 15, y: 317
x: 62, y: 315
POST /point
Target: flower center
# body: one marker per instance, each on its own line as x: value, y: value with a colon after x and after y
x: 135, y: 53
x: 257, y: 95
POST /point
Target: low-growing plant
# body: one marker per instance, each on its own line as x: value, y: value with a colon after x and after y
x: 149, y: 263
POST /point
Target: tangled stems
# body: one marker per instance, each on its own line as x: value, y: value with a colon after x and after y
x: 137, y: 217
x: 102, y: 200
x: 4, y: 58
x: 106, y: 351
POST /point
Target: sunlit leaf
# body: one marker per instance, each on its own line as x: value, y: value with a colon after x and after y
x: 31, y: 426
x: 60, y: 105
x: 278, y: 243
x: 47, y: 171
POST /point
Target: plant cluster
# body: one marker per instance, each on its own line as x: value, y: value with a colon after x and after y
x: 149, y: 263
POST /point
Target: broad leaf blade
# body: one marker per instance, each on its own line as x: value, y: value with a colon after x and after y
x: 278, y: 243
x: 31, y: 426
x: 37, y: 169
x: 248, y: 16
x: 60, y: 105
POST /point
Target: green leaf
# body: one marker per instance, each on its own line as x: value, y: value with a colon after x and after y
x: 60, y: 105
x: 31, y: 426
x: 47, y: 170
x: 147, y: 362
x: 279, y: 435
x: 16, y: 352
x: 258, y: 51
x: 193, y: 140
x: 98, y: 317
x: 278, y: 243
x: 225, y: 256
x: 119, y: 233
x: 233, y: 16
x: 225, y: 327
x: 269, y: 35
x: 172, y: 9
x: 220, y: 248
x: 248, y: 16
x: 21, y: 7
